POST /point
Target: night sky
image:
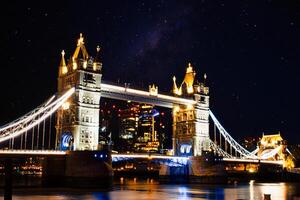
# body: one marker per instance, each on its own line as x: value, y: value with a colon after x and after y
x: 250, y: 51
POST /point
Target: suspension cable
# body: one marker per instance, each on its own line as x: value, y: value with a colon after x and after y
x: 241, y: 150
x: 50, y: 126
x: 44, y: 111
x: 43, y: 138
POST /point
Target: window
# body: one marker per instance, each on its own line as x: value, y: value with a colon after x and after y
x: 89, y: 78
x: 184, y: 117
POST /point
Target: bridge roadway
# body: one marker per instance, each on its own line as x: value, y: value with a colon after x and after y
x: 29, y: 153
x: 116, y: 157
x: 126, y: 93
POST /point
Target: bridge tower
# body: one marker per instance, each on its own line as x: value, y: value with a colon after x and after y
x: 191, y: 122
x: 77, y: 126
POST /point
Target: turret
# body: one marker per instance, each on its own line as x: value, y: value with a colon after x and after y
x: 97, y: 65
x: 190, y: 85
x: 176, y: 91
x: 63, y: 69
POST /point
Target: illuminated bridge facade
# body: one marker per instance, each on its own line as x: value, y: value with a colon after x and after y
x: 77, y: 106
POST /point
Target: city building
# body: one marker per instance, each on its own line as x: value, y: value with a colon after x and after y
x: 147, y: 138
x: 141, y: 127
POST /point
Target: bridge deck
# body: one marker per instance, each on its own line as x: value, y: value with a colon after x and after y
x: 239, y: 160
x: 28, y: 153
x: 124, y: 93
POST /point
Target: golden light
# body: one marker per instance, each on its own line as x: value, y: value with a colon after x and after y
x: 74, y: 65
x: 251, y: 170
x: 80, y: 40
x: 64, y: 70
x: 66, y: 105
x: 176, y: 109
x: 189, y: 107
x: 84, y: 64
x: 189, y: 69
x: 190, y: 89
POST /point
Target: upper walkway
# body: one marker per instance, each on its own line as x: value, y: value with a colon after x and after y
x: 129, y: 94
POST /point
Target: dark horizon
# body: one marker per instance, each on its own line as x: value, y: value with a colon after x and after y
x: 249, y: 50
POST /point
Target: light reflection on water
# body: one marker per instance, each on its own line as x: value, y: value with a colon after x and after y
x: 134, y: 188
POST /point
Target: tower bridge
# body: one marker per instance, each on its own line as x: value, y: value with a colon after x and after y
x: 77, y: 105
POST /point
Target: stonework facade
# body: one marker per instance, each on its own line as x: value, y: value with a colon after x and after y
x: 77, y: 126
x: 191, y: 122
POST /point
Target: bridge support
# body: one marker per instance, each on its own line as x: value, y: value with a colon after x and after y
x: 78, y: 169
x: 191, y: 127
x: 77, y: 126
x: 205, y: 169
x: 173, y: 171
x: 191, y: 122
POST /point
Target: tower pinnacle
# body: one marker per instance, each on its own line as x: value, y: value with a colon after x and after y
x: 80, y: 40
x: 80, y: 51
x: 63, y: 69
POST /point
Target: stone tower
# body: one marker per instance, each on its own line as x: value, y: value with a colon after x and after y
x: 191, y: 122
x: 77, y: 126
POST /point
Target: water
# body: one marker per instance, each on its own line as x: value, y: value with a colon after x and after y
x: 132, y: 188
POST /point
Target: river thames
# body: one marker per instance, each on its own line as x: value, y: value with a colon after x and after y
x: 133, y: 188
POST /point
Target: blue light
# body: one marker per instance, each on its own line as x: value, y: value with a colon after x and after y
x: 66, y: 140
x: 154, y: 113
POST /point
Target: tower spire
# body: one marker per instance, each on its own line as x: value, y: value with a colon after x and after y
x: 175, y: 88
x: 80, y: 48
x: 97, y: 57
x: 205, y: 77
x: 62, y: 66
x: 189, y: 78
x: 97, y: 65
